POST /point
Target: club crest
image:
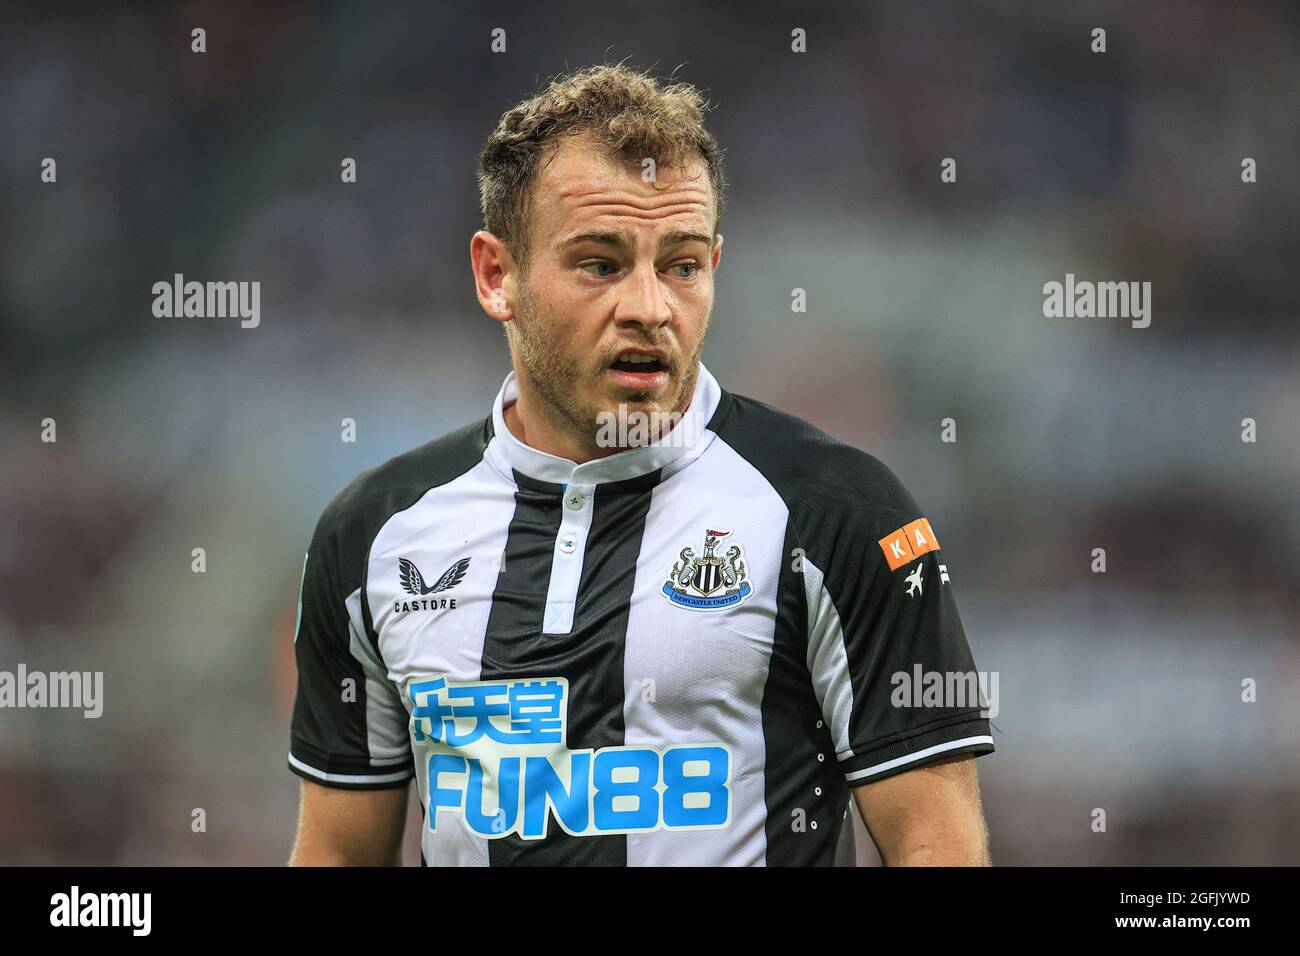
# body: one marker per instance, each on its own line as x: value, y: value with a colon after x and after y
x: 710, y: 582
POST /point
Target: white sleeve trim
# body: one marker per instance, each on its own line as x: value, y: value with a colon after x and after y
x: 919, y: 755
x: 350, y: 777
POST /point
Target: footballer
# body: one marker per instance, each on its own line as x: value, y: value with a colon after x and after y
x: 669, y: 644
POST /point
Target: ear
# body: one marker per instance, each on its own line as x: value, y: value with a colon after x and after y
x: 717, y: 251
x: 494, y: 275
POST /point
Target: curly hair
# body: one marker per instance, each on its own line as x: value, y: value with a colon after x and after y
x: 632, y: 114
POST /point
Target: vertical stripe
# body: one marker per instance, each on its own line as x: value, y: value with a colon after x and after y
x: 420, y: 803
x: 696, y: 677
x: 512, y: 644
x: 828, y: 658
x: 297, y: 621
x: 386, y: 733
x: 589, y: 656
x: 800, y: 757
x: 467, y: 518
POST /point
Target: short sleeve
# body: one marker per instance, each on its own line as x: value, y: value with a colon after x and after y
x: 887, y: 652
x: 349, y: 726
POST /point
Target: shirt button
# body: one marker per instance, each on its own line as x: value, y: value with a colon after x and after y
x: 819, y: 725
x: 574, y: 501
x: 568, y: 543
x: 821, y: 758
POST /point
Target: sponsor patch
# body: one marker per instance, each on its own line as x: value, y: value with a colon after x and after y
x: 908, y: 543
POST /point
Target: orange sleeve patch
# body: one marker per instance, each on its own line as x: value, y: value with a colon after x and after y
x: 910, y: 541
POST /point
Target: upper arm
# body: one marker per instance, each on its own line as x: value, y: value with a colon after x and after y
x: 349, y: 827
x: 930, y: 815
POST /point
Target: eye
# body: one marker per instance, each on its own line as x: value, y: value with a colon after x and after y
x: 599, y: 263
x: 693, y: 266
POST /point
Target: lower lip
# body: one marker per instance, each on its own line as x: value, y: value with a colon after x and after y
x: 640, y: 381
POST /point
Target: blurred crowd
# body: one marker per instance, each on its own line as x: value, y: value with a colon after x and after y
x: 1120, y: 690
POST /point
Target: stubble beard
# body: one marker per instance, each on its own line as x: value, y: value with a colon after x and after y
x: 561, y: 378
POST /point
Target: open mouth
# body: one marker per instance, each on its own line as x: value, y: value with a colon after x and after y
x: 640, y: 370
x: 639, y: 363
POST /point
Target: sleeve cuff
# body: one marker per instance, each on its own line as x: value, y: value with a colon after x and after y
x: 970, y: 736
x: 375, y: 778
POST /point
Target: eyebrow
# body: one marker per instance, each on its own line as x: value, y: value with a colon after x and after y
x: 623, y: 241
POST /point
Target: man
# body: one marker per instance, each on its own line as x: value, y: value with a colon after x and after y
x: 629, y: 618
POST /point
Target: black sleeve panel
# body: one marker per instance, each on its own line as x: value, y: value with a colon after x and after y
x: 899, y: 681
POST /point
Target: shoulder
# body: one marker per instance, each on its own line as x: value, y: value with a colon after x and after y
x: 354, y: 516
x: 825, y: 482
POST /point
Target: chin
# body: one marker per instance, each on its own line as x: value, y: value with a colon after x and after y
x: 644, y: 401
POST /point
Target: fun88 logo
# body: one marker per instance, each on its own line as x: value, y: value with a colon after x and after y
x: 494, y: 753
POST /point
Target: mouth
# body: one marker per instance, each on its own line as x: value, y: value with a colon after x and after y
x: 640, y: 369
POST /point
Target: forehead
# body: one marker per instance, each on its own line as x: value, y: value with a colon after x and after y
x: 581, y: 183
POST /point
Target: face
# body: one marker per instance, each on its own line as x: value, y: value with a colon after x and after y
x: 615, y: 303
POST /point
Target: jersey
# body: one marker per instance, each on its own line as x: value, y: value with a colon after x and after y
x: 684, y: 653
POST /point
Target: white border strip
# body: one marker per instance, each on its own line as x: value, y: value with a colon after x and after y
x: 919, y: 755
x: 350, y: 778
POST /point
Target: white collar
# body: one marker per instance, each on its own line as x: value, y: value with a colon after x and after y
x: 682, y: 444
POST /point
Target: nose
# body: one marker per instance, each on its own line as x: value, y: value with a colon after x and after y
x: 643, y: 301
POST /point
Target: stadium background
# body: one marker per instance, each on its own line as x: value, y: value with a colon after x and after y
x: 1119, y: 691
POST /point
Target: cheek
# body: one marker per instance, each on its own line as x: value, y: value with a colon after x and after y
x: 556, y: 301
x: 574, y: 321
x: 569, y: 297
x: 692, y: 306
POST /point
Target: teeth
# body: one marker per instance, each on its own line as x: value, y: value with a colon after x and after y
x: 638, y: 359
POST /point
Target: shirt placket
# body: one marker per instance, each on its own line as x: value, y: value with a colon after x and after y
x: 577, y: 507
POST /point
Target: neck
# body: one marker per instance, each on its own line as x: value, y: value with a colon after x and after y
x: 528, y: 421
x: 538, y: 432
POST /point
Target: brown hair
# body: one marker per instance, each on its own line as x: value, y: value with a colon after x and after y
x: 628, y: 111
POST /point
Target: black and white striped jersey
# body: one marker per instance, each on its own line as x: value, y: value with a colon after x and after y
x: 682, y: 654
